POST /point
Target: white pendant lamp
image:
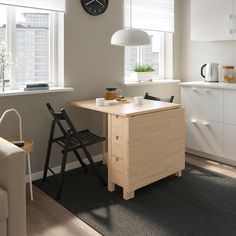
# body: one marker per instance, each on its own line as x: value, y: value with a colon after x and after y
x: 130, y: 37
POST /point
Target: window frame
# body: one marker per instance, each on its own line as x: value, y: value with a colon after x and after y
x: 56, y: 47
x: 166, y: 54
x: 165, y: 60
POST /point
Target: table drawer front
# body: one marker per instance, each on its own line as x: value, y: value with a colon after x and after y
x: 117, y: 147
x: 117, y: 168
x: 117, y: 164
x: 118, y: 178
x: 117, y: 126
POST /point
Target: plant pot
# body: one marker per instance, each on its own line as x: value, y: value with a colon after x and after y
x: 143, y: 76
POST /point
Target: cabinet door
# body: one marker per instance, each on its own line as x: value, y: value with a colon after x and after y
x: 203, y: 103
x: 204, y: 136
x: 210, y: 20
x: 230, y: 142
x: 229, y: 107
x: 229, y: 125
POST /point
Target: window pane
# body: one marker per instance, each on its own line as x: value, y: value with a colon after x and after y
x: 131, y: 59
x: 32, y: 45
x: 149, y: 54
x: 3, y: 22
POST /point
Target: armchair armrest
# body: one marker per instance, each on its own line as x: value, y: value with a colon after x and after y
x: 12, y: 179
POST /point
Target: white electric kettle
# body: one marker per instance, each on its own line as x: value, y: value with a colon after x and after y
x: 211, y: 73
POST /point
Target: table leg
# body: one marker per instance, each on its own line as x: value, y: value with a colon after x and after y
x: 104, y: 133
x: 128, y: 194
x: 111, y: 186
x: 30, y: 177
x: 179, y: 173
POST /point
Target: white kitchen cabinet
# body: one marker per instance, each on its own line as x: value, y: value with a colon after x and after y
x: 229, y: 108
x: 210, y: 120
x: 230, y: 142
x: 197, y: 101
x: 204, y: 136
x: 213, y: 20
x: 229, y: 124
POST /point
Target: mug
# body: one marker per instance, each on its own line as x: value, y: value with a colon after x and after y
x: 100, y: 101
x: 138, y: 100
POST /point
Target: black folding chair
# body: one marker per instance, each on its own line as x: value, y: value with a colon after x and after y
x: 170, y: 99
x: 71, y: 140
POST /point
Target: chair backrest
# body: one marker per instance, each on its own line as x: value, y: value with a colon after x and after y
x: 170, y: 99
x: 60, y: 116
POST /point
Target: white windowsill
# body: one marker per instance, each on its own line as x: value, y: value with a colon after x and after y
x: 163, y: 81
x: 19, y: 92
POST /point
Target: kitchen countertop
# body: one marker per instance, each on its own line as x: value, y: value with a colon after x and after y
x: 219, y: 85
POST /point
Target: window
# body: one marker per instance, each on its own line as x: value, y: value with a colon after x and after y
x: 150, y: 54
x: 34, y: 38
x: 156, y: 17
x: 3, y: 23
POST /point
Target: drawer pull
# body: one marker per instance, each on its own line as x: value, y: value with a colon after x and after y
x: 117, y: 159
x: 194, y: 121
x: 195, y: 90
x: 117, y: 117
x: 117, y: 137
x: 200, y: 91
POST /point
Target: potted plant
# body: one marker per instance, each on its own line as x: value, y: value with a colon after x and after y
x: 143, y: 72
x: 5, y: 64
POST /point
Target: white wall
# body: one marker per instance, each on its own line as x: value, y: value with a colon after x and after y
x: 195, y: 54
x: 91, y: 65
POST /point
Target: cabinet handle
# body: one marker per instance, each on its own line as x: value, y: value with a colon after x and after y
x: 117, y: 159
x: 195, y: 90
x: 198, y: 91
x: 117, y: 137
x: 200, y: 122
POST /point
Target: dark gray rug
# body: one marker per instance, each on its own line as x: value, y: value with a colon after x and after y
x: 198, y: 203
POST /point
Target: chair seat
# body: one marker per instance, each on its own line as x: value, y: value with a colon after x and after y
x: 3, y: 205
x: 84, y: 137
x: 88, y: 137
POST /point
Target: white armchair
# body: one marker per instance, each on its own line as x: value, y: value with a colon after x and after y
x: 12, y: 190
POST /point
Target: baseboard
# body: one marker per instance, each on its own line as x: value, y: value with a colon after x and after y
x: 212, y: 157
x: 69, y: 166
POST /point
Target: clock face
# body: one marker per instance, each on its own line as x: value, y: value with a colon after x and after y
x: 95, y: 7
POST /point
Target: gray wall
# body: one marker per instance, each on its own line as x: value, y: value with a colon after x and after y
x: 195, y: 54
x: 91, y: 64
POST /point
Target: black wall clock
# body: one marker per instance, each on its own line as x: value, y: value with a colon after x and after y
x: 95, y: 7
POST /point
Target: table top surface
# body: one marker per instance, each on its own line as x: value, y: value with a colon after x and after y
x: 127, y: 108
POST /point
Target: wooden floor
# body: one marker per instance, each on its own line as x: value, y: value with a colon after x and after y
x: 211, y: 165
x: 45, y: 217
